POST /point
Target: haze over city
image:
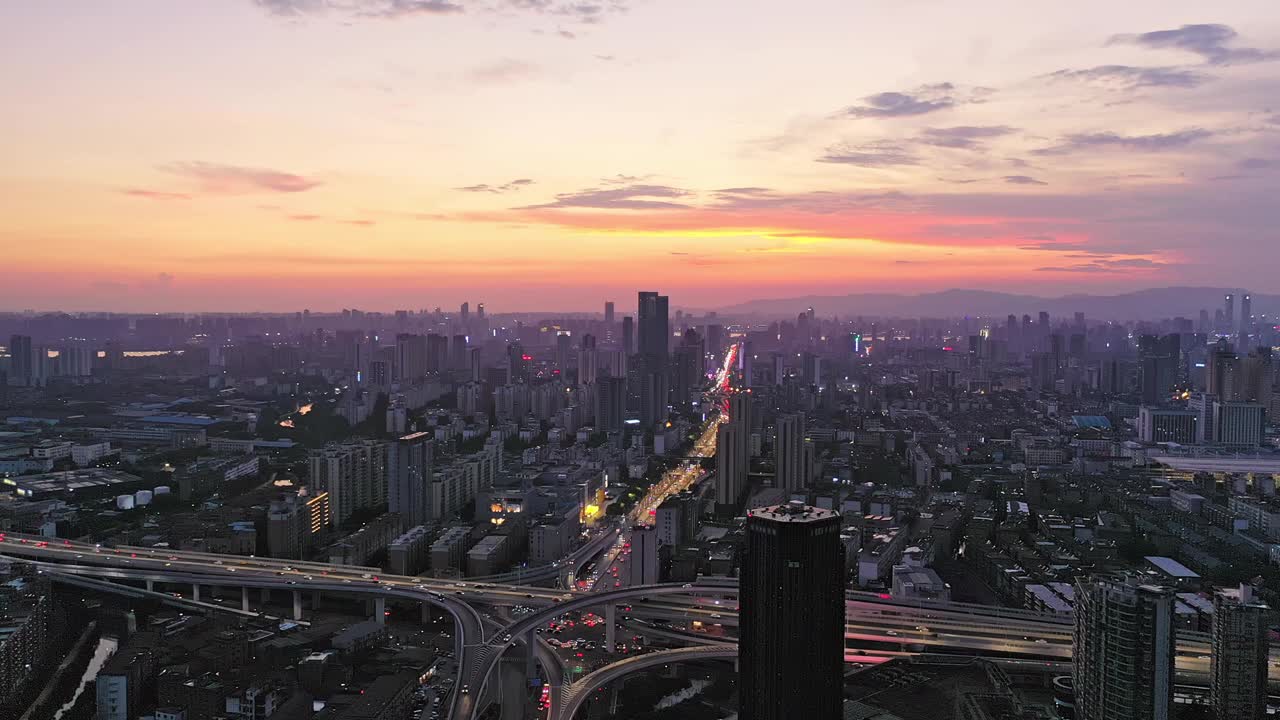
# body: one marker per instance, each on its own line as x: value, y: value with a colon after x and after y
x: 278, y: 154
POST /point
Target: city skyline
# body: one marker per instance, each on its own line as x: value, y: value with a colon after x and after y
x: 256, y: 156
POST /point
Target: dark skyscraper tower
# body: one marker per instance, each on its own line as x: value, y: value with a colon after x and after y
x: 654, y: 330
x: 628, y: 336
x: 1229, y: 311
x: 608, y: 313
x: 791, y: 632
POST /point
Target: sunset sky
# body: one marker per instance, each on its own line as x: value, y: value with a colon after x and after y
x: 184, y: 155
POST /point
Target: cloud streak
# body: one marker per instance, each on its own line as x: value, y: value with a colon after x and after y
x: 155, y: 194
x: 966, y: 137
x: 874, y: 155
x: 382, y: 9
x: 1128, y: 77
x: 626, y: 197
x: 219, y: 179
x: 497, y: 189
x: 1111, y: 140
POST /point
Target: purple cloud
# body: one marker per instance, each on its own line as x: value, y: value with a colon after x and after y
x: 1208, y: 41
x: 1023, y: 180
x: 921, y: 101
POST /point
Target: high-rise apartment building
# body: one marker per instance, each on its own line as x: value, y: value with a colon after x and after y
x: 353, y: 474
x: 733, y: 454
x: 1124, y: 648
x: 409, y: 477
x: 608, y: 312
x: 1238, y: 661
x: 789, y: 453
x: 628, y: 336
x: 611, y: 403
x: 791, y: 621
x: 411, y: 357
x: 1229, y: 312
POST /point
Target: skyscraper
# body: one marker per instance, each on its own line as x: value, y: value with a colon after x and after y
x: 1159, y: 358
x: 608, y: 313
x: 465, y: 312
x: 789, y: 454
x: 628, y: 336
x: 791, y: 631
x: 1238, y: 663
x: 564, y: 342
x: 1220, y: 371
x: 517, y: 363
x: 588, y: 360
x: 1246, y: 313
x: 1124, y: 646
x: 654, y: 329
x: 21, y: 359
x: 409, y: 478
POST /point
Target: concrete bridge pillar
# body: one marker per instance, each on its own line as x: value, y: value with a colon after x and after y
x: 380, y: 610
x: 266, y: 596
x: 426, y: 613
x: 195, y: 592
x: 610, y: 627
x: 297, y: 605
x: 315, y: 601
x: 151, y: 586
x: 244, y: 599
x: 530, y: 646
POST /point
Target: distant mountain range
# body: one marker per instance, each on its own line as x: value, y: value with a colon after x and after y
x: 1153, y: 304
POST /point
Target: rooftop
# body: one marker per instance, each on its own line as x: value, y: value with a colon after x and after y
x: 793, y: 512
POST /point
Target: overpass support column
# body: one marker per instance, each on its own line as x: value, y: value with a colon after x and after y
x: 315, y: 600
x: 195, y: 592
x: 151, y: 586
x: 266, y: 596
x: 610, y: 627
x: 244, y: 599
x: 426, y: 613
x: 380, y: 610
x: 530, y: 646
x: 297, y: 605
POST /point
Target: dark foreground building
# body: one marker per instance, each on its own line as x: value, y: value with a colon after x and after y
x: 791, y: 643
